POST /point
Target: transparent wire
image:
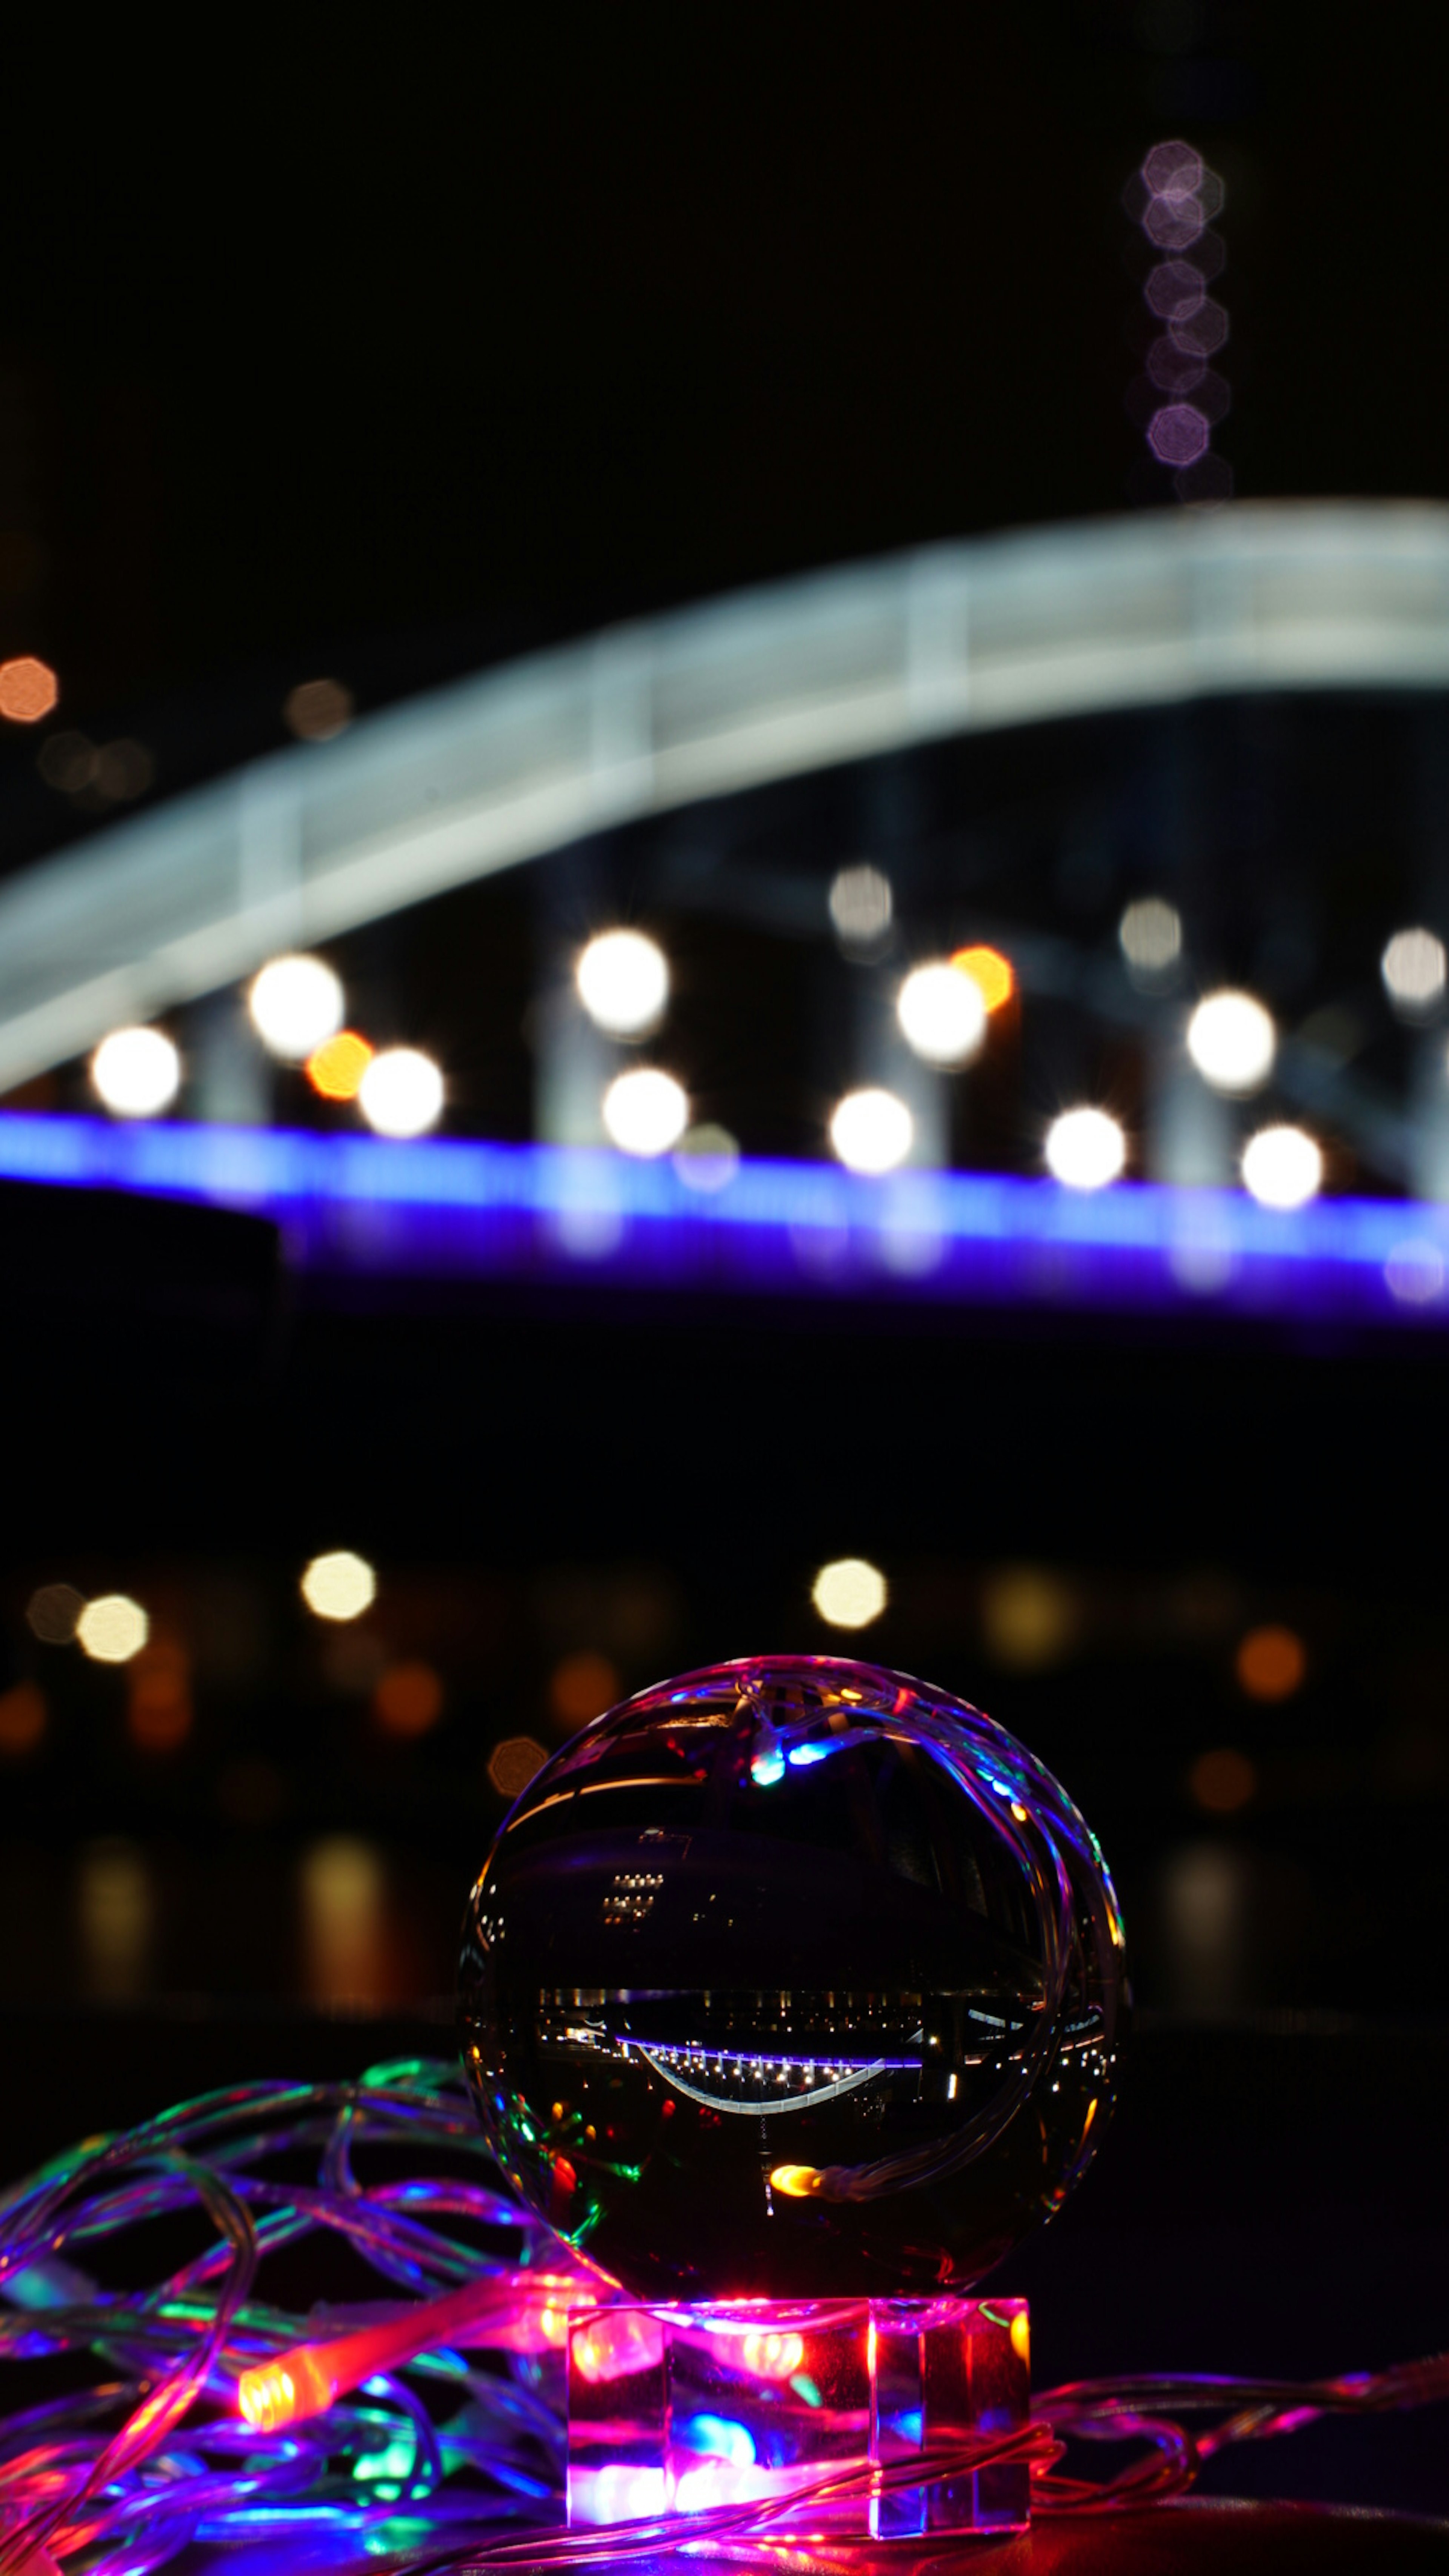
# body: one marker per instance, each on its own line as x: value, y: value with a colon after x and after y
x: 126, y: 2444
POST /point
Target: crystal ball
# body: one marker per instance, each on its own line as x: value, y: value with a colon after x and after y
x: 793, y: 1978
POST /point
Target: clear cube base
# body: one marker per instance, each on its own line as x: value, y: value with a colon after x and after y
x: 685, y: 2409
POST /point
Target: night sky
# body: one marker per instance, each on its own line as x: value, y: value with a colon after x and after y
x: 390, y: 350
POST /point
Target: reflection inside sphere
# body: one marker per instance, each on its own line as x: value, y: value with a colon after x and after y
x: 793, y: 1978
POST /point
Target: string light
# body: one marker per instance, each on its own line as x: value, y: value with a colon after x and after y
x: 337, y: 1067
x: 872, y: 1131
x: 942, y: 1014
x: 339, y: 1585
x: 993, y: 975
x: 645, y: 1111
x: 327, y: 2445
x: 1085, y: 1148
x: 623, y: 982
x: 401, y: 1092
x: 136, y: 1072
x: 1283, y: 1167
x: 296, y: 1005
x: 1232, y: 1041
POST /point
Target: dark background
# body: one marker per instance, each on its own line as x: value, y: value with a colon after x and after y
x: 386, y: 352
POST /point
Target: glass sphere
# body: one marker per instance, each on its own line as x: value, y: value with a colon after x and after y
x: 793, y: 1978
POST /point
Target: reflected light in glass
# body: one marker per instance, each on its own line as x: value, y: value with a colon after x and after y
x: 850, y: 1592
x: 1232, y: 1041
x: 645, y: 1111
x: 51, y: 1613
x: 993, y: 975
x: 401, y: 1092
x: 112, y: 1628
x: 707, y: 1158
x: 337, y: 1068
x: 1222, y: 1781
x: 22, y: 1719
x: 1150, y: 932
x: 1271, y: 1663
x: 296, y: 1004
x: 1414, y: 968
x: 942, y: 1014
x: 29, y: 689
x: 513, y: 1763
x: 872, y: 1131
x: 623, y: 982
x: 861, y: 905
x: 408, y: 1700
x: 1085, y: 1149
x: 339, y: 1585
x: 1283, y: 1167
x: 136, y: 1072
x: 582, y: 1686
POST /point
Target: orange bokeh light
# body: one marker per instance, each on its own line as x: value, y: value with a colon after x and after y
x: 22, y: 1718
x: 158, y: 1696
x: 335, y: 1069
x: 408, y: 1699
x: 1222, y: 1781
x: 992, y: 974
x: 583, y: 1686
x: 1271, y: 1663
x: 28, y: 689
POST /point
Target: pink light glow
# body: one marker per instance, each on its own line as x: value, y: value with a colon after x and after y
x: 1175, y: 290
x: 1178, y: 434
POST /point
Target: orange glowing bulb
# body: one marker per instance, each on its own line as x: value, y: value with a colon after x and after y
x: 509, y: 2316
x: 992, y: 974
x: 336, y: 1067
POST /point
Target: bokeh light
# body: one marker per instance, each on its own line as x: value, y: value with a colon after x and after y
x: 317, y: 709
x: 401, y: 1092
x: 29, y: 689
x: 339, y: 1585
x: 112, y: 1628
x: 296, y: 1004
x: 942, y: 1014
x: 1271, y: 1663
x: 1086, y: 1149
x: 645, y: 1111
x: 1179, y: 433
x: 861, y: 905
x: 1150, y: 935
x: 1283, y: 1167
x: 408, y: 1699
x: 342, y: 1888
x: 1222, y: 1781
x: 136, y: 1072
x: 1030, y: 1617
x: 23, y: 1716
x: 1232, y: 1041
x: 52, y: 1611
x: 513, y: 1763
x: 623, y: 982
x: 158, y: 1696
x: 707, y: 1158
x: 1414, y: 968
x: 872, y: 1131
x: 993, y: 975
x: 850, y: 1592
x: 581, y: 1686
x: 336, y: 1068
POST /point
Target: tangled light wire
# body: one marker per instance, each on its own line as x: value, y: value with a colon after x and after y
x: 127, y: 2445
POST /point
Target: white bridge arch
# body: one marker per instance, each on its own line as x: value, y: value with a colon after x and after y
x: 487, y: 773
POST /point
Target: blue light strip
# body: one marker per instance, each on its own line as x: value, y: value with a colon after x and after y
x: 447, y: 1208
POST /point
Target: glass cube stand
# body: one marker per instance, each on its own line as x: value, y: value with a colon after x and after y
x: 683, y: 2409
